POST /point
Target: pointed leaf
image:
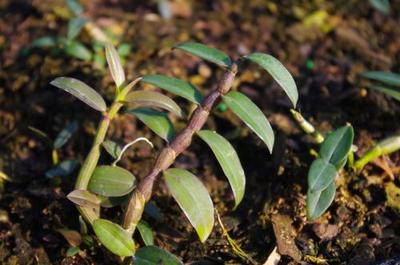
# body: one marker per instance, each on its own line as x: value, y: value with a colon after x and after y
x: 336, y: 145
x: 387, y: 78
x: 78, y: 50
x: 82, y: 225
x: 114, y: 64
x: 81, y: 91
x: 193, y: 198
x: 152, y: 255
x: 175, y: 86
x: 44, y: 42
x: 146, y: 232
x: 320, y: 175
x: 381, y: 5
x: 84, y: 198
x: 207, y: 53
x: 280, y: 74
x: 229, y: 161
x: 63, y: 169
x: 151, y: 99
x: 393, y: 92
x: 65, y: 134
x: 114, y: 238
x: 318, y: 202
x: 75, y: 6
x: 111, y: 181
x: 72, y: 251
x: 250, y: 114
x: 42, y: 136
x: 75, y: 26
x: 157, y: 121
x: 112, y: 148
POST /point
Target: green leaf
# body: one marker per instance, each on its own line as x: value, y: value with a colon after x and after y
x: 74, y: 6
x: 78, y: 50
x: 124, y: 49
x: 82, y: 226
x: 65, y: 134
x: 393, y: 92
x: 318, y: 202
x: 81, y: 91
x: 145, y: 232
x: 152, y: 99
x: 276, y: 69
x: 193, y: 198
x: 175, y: 86
x: 114, y: 64
x: 387, y: 78
x: 157, y: 121
x: 42, y: 136
x: 72, y: 251
x: 381, y: 5
x: 250, y: 114
x: 75, y: 26
x: 207, y: 53
x: 44, y: 42
x: 63, y: 169
x: 336, y: 145
x: 152, y: 255
x: 84, y: 198
x: 111, y: 181
x: 229, y: 161
x: 320, y: 175
x: 112, y: 148
x: 114, y: 238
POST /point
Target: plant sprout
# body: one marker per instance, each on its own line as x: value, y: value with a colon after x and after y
x: 71, y: 46
x: 389, y: 84
x: 98, y: 183
x: 333, y: 155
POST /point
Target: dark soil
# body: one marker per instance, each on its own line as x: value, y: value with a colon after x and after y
x: 325, y: 59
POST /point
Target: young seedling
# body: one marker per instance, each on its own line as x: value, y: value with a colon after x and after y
x: 61, y: 139
x: 390, y: 87
x: 384, y: 147
x: 97, y: 182
x: 333, y: 155
x: 336, y: 149
x: 71, y: 46
x: 388, y: 82
x: 63, y: 168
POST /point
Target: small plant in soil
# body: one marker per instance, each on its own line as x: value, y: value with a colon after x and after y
x: 97, y: 184
x: 332, y: 157
x: 70, y: 45
x: 389, y: 84
x: 336, y: 150
x: 60, y: 168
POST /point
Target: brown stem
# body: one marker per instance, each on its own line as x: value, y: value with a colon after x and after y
x: 179, y: 144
